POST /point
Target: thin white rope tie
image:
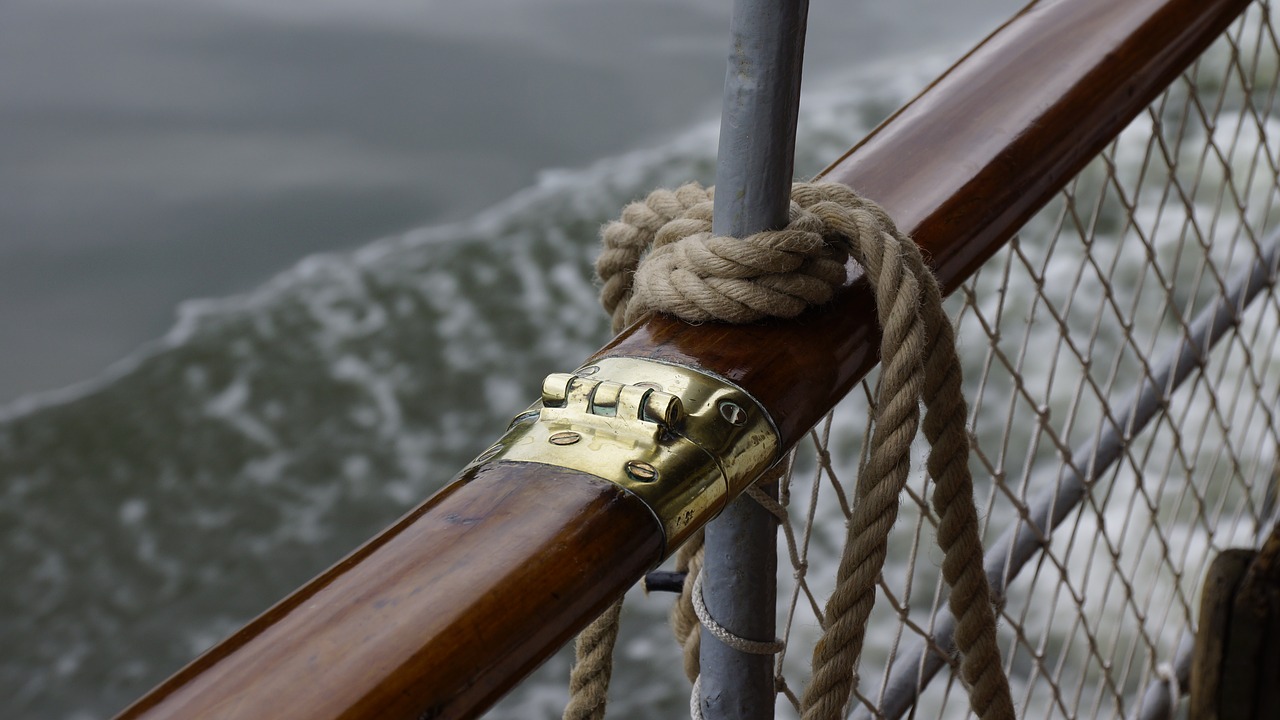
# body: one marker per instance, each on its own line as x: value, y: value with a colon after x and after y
x: 723, y: 634
x: 695, y: 707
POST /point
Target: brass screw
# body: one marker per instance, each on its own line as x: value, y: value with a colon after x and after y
x: 650, y: 385
x: 568, y: 437
x: 733, y: 412
x: 641, y: 471
x: 588, y: 370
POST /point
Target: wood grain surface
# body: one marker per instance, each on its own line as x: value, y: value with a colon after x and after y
x: 436, y: 617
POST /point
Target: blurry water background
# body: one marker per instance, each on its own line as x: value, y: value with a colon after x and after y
x: 162, y: 479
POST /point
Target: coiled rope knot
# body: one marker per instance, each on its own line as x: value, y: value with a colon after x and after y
x: 661, y: 256
x: 698, y: 276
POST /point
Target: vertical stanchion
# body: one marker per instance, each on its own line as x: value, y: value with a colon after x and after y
x: 753, y: 189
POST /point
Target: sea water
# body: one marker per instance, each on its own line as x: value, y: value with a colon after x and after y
x: 151, y: 509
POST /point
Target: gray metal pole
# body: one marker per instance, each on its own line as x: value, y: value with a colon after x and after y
x: 753, y: 190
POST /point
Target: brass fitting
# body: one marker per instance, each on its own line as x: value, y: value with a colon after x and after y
x: 682, y: 441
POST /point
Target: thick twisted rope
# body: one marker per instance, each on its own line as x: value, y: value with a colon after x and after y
x: 699, y: 277
x: 917, y: 361
x: 593, y: 666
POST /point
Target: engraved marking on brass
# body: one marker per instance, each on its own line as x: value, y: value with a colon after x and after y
x: 567, y: 437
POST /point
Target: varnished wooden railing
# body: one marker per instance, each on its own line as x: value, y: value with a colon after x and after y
x: 447, y: 609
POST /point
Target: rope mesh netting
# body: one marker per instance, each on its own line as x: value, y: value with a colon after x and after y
x: 1115, y: 453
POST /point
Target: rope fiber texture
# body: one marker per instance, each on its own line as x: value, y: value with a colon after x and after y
x: 593, y: 666
x: 699, y: 277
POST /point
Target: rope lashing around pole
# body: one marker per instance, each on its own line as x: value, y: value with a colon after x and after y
x: 690, y: 273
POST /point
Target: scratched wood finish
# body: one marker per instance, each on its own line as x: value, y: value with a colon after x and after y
x: 438, y: 616
x: 960, y: 169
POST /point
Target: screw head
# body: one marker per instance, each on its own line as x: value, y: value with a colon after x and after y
x: 650, y: 385
x: 567, y: 437
x: 487, y: 455
x: 641, y: 471
x: 588, y: 370
x: 733, y: 412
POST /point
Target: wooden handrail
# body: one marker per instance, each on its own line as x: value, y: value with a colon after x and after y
x: 443, y: 612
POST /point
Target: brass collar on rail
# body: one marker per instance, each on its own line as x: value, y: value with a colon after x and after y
x: 682, y: 441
